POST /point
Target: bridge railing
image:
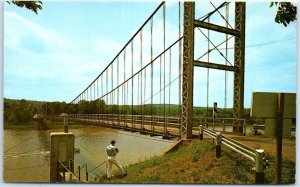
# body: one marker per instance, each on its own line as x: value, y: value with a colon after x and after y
x: 167, y: 126
x: 254, y: 155
x: 216, y: 123
x: 138, y: 121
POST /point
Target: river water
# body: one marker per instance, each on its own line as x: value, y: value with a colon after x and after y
x: 26, y: 155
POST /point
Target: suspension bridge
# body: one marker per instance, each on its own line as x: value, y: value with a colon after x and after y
x: 157, y: 68
x: 148, y: 87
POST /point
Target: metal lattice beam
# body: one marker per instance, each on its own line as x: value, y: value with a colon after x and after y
x: 239, y: 62
x: 188, y: 71
x: 188, y: 64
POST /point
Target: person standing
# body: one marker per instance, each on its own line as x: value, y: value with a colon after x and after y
x: 111, y: 159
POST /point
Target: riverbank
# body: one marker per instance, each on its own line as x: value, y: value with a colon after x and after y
x: 196, y: 164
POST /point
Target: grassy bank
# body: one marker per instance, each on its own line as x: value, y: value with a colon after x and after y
x: 196, y: 164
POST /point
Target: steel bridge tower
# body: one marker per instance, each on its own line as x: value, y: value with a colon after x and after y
x: 188, y: 64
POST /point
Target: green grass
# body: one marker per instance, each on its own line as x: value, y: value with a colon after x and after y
x: 196, y: 164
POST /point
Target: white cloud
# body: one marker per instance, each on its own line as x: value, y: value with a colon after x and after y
x: 19, y: 30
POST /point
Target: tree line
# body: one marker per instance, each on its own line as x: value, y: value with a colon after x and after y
x: 22, y: 111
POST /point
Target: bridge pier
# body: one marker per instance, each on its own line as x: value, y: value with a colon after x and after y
x: 61, y: 149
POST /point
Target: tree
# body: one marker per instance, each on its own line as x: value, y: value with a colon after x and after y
x: 31, y: 5
x: 286, y: 12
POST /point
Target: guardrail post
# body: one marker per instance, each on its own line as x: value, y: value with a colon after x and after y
x: 64, y: 175
x: 259, y: 167
x: 79, y: 172
x: 244, y: 127
x: 57, y: 171
x: 218, y: 143
x: 223, y: 124
x: 201, y: 132
x: 86, y: 173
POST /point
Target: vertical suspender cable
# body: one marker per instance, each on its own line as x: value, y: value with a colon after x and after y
x: 151, y: 56
x: 207, y: 80
x: 107, y: 96
x: 88, y: 101
x: 132, y: 123
x: 98, y: 95
x: 91, y: 97
x: 125, y: 100
x: 118, y: 92
x: 160, y: 81
x: 179, y: 60
x: 170, y: 81
x: 141, y: 103
x: 226, y: 53
x: 164, y: 19
x: 112, y: 95
x: 169, y: 114
x: 145, y: 76
x: 94, y: 101
x: 103, y: 109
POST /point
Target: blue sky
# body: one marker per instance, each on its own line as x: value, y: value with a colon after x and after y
x: 54, y: 55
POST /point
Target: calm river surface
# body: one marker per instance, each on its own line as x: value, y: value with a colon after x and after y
x: 26, y: 152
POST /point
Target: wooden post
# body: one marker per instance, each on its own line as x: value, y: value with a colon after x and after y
x: 223, y: 123
x: 218, y: 143
x: 215, y: 111
x: 87, y: 174
x: 259, y: 167
x: 57, y: 171
x: 278, y: 156
x: 79, y: 172
x: 64, y: 175
x: 201, y: 132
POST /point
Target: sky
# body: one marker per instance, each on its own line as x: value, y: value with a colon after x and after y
x: 54, y: 55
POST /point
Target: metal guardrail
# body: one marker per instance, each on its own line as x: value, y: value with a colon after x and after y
x: 81, y: 167
x: 254, y: 155
x: 65, y: 169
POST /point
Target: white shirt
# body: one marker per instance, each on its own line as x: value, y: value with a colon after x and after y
x: 114, y: 152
